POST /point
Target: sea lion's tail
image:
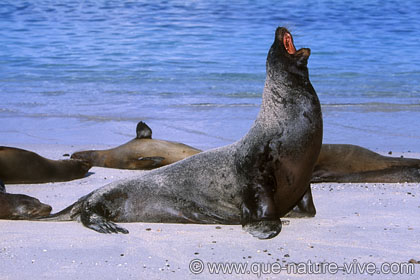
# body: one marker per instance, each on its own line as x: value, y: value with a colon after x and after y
x: 70, y: 213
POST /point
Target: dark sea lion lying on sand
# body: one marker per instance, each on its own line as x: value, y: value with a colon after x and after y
x: 142, y: 152
x: 252, y: 182
x: 20, y: 206
x: 19, y: 166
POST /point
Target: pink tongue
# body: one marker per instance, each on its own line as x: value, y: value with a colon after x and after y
x: 288, y: 43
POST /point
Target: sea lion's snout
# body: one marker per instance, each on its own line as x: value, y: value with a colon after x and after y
x: 284, y: 58
x: 285, y: 38
x: 46, y: 210
x: 43, y: 210
x: 78, y: 155
x: 85, y: 157
x: 85, y: 164
x: 306, y: 52
x: 302, y: 56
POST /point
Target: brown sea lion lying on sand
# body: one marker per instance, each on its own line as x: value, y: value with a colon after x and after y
x: 142, y: 152
x: 345, y: 163
x: 19, y: 166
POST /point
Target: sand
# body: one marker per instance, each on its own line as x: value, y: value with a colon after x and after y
x: 363, y: 225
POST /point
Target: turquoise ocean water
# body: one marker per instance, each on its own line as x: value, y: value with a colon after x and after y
x: 85, y: 72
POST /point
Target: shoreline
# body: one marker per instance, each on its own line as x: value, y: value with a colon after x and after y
x: 360, y: 223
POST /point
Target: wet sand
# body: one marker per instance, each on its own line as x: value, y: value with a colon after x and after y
x: 359, y: 224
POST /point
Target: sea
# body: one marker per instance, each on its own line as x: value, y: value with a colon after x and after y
x: 85, y: 72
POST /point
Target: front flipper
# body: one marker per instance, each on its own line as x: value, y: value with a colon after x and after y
x: 259, y: 215
x: 98, y: 223
x: 155, y: 161
x: 305, y: 208
x: 263, y: 229
x: 146, y: 162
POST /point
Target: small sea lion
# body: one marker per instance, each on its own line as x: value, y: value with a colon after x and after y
x: 344, y: 163
x: 20, y: 206
x: 19, y: 166
x: 142, y: 152
x: 252, y: 182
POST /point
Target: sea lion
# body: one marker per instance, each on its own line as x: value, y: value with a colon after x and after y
x: 19, y: 166
x: 20, y: 206
x: 142, y: 152
x: 131, y: 156
x: 252, y: 182
x: 346, y: 163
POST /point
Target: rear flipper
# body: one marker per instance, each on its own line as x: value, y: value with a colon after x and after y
x: 305, y: 208
x: 98, y: 223
x: 259, y: 215
x: 143, y: 131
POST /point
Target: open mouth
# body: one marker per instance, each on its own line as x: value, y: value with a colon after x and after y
x: 288, y: 43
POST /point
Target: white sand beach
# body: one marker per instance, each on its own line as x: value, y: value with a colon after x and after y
x: 363, y: 225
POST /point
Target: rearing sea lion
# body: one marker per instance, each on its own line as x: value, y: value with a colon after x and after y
x: 19, y: 166
x: 142, y: 152
x: 252, y: 182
